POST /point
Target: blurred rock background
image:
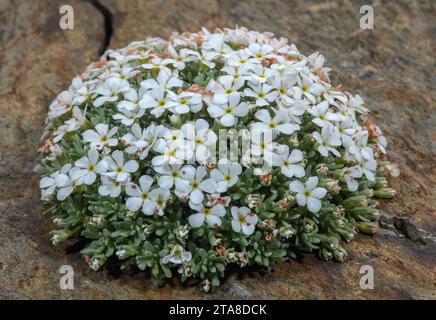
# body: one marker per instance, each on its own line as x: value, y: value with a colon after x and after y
x: 392, y: 67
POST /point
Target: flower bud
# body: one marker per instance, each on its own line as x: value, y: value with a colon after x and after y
x: 325, y: 254
x: 176, y: 120
x: 331, y: 185
x: 384, y: 193
x: 340, y: 254
x: 322, y: 169
x: 355, y: 201
x: 286, y: 232
x: 58, y: 236
x: 265, y: 179
x: 369, y: 213
x: 220, y: 250
x: 97, y: 261
x: 183, y: 231
x: 206, y: 285
x: 366, y: 227
x: 253, y: 200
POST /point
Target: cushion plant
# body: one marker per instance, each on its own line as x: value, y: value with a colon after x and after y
x: 135, y: 157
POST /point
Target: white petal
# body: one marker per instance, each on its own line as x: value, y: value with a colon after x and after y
x: 311, y: 183
x: 196, y: 220
x: 296, y: 156
x: 90, y: 136
x: 46, y: 182
x: 318, y: 193
x: 208, y: 185
x: 145, y: 183
x: 247, y: 229
x: 236, y: 226
x: 228, y: 120
x: 165, y: 182
x: 313, y: 204
x: 218, y: 210
x: 118, y: 156
x: 133, y: 203
x: 301, y: 199
x: 89, y: 178
x: 298, y: 171
x: 148, y: 207
x: 63, y: 193
x: 296, y: 186
x: 196, y: 196
x: 131, y: 166
x: 213, y: 221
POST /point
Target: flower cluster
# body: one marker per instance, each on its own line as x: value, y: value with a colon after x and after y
x: 131, y: 159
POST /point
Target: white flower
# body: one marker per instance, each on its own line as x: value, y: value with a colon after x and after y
x: 258, y: 51
x: 307, y: 88
x: 289, y: 163
x: 173, y: 176
x: 128, y: 117
x: 360, y: 148
x: 200, y: 138
x: 117, y: 169
x: 259, y: 74
x: 214, y: 46
x: 263, y: 146
x: 117, y: 59
x: 228, y: 113
x: 197, y: 184
x: 109, y: 187
x: 277, y: 124
x: 125, y: 73
x: 226, y: 175
x: 225, y: 88
x: 81, y: 91
x: 187, y: 102
x: 322, y: 116
x: 139, y: 196
x: 132, y: 100
x: 110, y: 90
x: 157, y: 63
x: 241, y: 59
x: 243, y: 220
x: 367, y: 168
x: 235, y: 76
x: 352, y: 184
x: 66, y: 184
x: 89, y: 167
x: 178, y: 59
x: 263, y: 93
x: 70, y: 125
x: 164, y: 80
x: 210, y: 215
x: 327, y: 140
x: 140, y: 141
x: 308, y: 194
x: 178, y: 255
x: 158, y: 100
x: 345, y: 129
x: 62, y: 104
x: 159, y: 197
x: 171, y: 153
x: 101, y: 136
x: 48, y: 183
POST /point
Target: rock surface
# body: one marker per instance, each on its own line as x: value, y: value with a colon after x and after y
x: 390, y: 66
